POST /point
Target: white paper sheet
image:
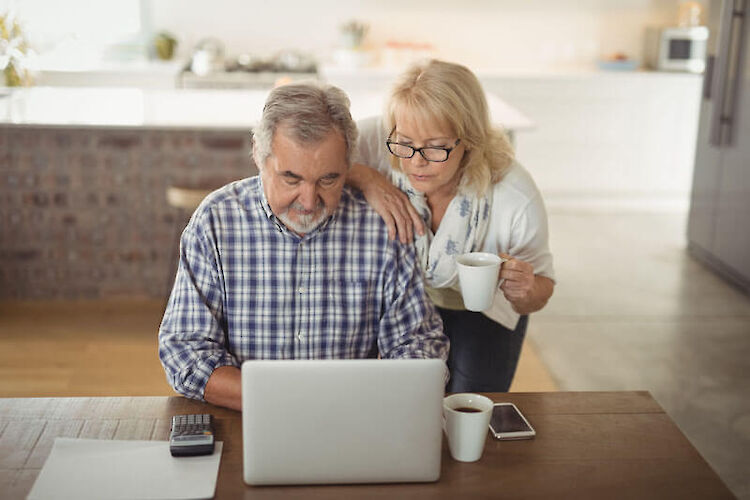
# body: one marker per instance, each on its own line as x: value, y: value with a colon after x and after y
x: 103, y: 469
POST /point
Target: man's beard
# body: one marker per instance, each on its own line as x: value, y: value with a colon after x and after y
x: 304, y: 223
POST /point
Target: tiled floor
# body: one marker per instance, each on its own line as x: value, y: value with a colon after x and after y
x: 632, y: 310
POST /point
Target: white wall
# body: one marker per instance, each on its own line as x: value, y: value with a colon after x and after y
x: 483, y: 34
x: 608, y: 142
x: 480, y: 33
x: 601, y: 141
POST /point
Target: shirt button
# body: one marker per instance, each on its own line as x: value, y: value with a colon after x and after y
x: 300, y: 336
x: 302, y: 289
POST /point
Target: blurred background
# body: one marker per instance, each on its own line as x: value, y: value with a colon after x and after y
x: 632, y: 116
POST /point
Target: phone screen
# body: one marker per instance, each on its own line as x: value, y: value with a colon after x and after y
x: 505, y: 418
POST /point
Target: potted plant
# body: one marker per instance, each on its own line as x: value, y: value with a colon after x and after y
x: 14, y: 53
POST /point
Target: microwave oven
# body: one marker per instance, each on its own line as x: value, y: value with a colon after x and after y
x: 677, y: 48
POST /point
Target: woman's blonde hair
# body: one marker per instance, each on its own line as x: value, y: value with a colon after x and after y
x: 451, y: 95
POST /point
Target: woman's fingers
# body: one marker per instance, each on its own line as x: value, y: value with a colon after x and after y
x: 416, y: 220
x: 517, y: 278
x: 388, y: 219
x: 514, y: 275
x: 391, y: 208
x: 400, y: 211
x: 395, y: 209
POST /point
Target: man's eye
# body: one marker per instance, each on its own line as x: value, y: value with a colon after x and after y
x: 328, y: 182
x: 291, y: 181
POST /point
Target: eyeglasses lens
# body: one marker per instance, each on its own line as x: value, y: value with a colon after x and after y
x: 429, y: 154
x: 435, y: 154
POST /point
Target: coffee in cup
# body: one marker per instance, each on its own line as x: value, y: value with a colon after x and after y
x: 467, y: 409
x: 467, y: 419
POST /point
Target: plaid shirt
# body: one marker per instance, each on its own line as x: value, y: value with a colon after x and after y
x: 248, y: 288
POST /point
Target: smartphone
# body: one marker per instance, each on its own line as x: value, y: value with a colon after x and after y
x: 508, y: 422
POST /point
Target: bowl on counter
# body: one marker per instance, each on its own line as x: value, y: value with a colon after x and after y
x: 617, y: 65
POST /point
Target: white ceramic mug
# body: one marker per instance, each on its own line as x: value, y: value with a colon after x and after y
x: 478, y: 274
x: 467, y: 430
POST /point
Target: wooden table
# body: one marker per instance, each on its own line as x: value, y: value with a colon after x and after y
x: 588, y: 445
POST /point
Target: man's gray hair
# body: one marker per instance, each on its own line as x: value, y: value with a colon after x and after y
x: 309, y: 111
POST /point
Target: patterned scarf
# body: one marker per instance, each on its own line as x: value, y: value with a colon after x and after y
x: 462, y: 229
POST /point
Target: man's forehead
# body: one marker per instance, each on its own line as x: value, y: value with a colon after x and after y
x: 305, y: 136
x: 307, y: 171
x: 306, y: 174
x: 308, y: 161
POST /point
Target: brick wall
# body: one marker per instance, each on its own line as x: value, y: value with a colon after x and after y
x: 83, y: 212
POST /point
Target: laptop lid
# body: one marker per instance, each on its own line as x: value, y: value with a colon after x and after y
x: 342, y: 421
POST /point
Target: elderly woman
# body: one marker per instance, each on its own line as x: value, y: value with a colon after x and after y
x: 433, y: 164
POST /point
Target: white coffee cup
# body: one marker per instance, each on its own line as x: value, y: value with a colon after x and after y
x: 477, y: 274
x: 466, y: 430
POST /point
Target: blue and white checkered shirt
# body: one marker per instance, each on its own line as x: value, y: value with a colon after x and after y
x: 248, y: 288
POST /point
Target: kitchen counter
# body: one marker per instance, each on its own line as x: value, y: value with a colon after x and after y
x: 177, y: 109
x: 332, y: 73
x: 84, y: 175
x: 60, y: 72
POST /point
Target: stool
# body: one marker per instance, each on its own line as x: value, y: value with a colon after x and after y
x: 185, y: 199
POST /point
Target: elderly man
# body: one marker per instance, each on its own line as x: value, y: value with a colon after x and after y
x: 291, y: 264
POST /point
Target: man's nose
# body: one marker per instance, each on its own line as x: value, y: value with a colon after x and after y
x: 308, y: 197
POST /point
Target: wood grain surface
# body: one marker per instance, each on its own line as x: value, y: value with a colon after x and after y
x: 588, y: 445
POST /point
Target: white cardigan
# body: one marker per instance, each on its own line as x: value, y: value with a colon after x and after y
x: 518, y: 220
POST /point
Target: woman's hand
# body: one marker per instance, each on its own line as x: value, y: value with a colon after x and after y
x: 525, y: 291
x: 388, y: 201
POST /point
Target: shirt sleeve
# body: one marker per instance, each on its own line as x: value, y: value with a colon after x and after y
x: 530, y: 238
x: 410, y: 326
x: 518, y: 226
x: 192, y: 335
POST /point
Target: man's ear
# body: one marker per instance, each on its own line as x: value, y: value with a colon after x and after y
x: 256, y: 158
x: 266, y: 163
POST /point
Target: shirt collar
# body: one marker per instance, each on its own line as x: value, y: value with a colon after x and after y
x: 262, y: 201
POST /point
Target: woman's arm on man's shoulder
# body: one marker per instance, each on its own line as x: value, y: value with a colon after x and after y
x: 388, y: 201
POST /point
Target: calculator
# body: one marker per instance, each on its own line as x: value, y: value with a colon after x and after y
x: 191, y: 435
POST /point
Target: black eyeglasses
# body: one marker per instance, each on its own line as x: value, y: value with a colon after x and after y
x: 430, y: 153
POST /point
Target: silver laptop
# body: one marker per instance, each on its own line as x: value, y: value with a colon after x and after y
x: 342, y: 421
